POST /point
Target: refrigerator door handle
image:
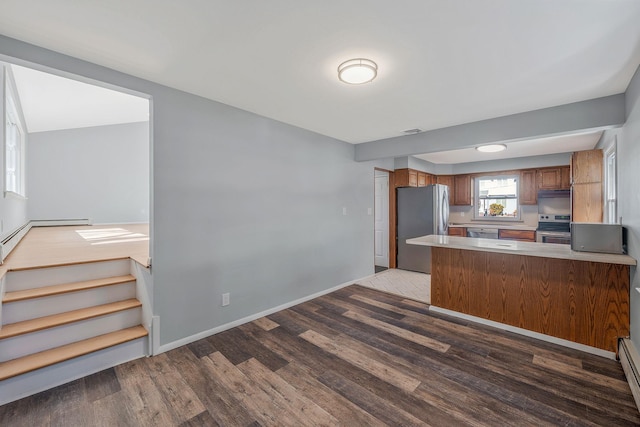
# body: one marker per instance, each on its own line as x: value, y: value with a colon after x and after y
x: 441, y: 210
x: 445, y: 209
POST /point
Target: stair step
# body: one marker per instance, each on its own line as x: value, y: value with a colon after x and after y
x: 65, y: 288
x: 35, y: 361
x: 33, y: 325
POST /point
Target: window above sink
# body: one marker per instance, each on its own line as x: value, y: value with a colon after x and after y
x: 496, y: 198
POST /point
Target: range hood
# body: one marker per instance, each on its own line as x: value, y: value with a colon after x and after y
x: 548, y: 194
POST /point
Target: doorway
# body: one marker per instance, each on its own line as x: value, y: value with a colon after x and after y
x: 78, y: 134
x: 86, y: 155
x: 381, y: 220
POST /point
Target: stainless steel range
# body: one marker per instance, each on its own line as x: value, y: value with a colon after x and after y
x: 554, y: 217
x: 554, y: 228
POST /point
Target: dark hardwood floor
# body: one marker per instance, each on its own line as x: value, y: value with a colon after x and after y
x: 356, y: 357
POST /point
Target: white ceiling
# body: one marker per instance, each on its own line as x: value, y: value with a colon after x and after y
x: 535, y: 147
x: 52, y: 102
x: 441, y: 63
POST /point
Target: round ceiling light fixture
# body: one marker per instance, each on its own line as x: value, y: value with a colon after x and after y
x: 357, y: 71
x: 491, y: 148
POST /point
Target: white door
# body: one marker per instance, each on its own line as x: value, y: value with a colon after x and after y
x: 381, y: 221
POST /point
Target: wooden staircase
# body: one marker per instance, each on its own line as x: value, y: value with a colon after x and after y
x: 65, y: 329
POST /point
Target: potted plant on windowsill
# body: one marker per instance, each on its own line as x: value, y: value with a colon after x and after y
x: 496, y: 209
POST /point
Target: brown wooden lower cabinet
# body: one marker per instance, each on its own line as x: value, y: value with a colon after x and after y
x: 522, y: 235
x: 458, y: 231
x: 580, y: 301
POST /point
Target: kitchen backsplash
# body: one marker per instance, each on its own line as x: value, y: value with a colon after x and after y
x: 464, y: 215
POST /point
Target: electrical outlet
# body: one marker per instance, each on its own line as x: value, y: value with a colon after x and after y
x: 225, y: 299
x: 461, y: 213
x: 344, y: 211
x: 369, y: 211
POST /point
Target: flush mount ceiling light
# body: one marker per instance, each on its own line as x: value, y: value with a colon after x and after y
x: 491, y: 148
x: 357, y: 71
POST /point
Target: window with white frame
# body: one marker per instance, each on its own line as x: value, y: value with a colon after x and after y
x: 610, y: 181
x: 496, y: 198
x: 14, y: 144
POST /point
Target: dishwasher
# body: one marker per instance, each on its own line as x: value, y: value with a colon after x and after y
x: 485, y: 233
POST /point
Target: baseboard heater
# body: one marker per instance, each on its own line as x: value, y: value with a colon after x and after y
x: 630, y: 361
x: 8, y: 243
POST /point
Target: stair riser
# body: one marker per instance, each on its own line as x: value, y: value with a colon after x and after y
x: 39, y: 307
x: 35, y: 342
x: 43, y: 379
x: 39, y: 277
x: 2, y: 292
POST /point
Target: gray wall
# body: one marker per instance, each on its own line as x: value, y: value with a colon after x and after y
x: 628, y: 156
x: 101, y: 173
x: 421, y: 165
x: 240, y: 204
x: 258, y: 214
x: 515, y: 163
x: 600, y: 113
x: 484, y: 166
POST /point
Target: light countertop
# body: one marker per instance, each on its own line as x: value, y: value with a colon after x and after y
x: 494, y: 226
x: 545, y: 250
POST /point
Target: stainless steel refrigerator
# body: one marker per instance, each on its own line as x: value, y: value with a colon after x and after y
x: 420, y: 211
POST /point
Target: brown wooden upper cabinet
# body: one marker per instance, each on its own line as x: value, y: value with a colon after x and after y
x: 406, y: 178
x: 586, y: 190
x: 557, y: 178
x: 565, y: 178
x: 448, y: 181
x: 459, y: 188
x: 586, y: 166
x: 532, y: 180
x: 528, y: 187
x: 412, y: 178
x: 422, y: 179
x: 462, y: 190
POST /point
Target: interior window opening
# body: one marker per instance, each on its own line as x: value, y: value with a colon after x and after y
x: 496, y: 197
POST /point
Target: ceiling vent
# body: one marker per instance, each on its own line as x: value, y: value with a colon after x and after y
x: 412, y: 131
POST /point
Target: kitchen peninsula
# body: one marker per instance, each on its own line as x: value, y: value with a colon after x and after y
x: 544, y: 288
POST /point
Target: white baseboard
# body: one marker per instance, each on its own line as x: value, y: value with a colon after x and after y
x: 526, y: 332
x: 154, y: 335
x: 59, y: 222
x: 120, y: 223
x: 630, y: 361
x: 12, y: 240
x: 9, y: 244
x: 222, y: 328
